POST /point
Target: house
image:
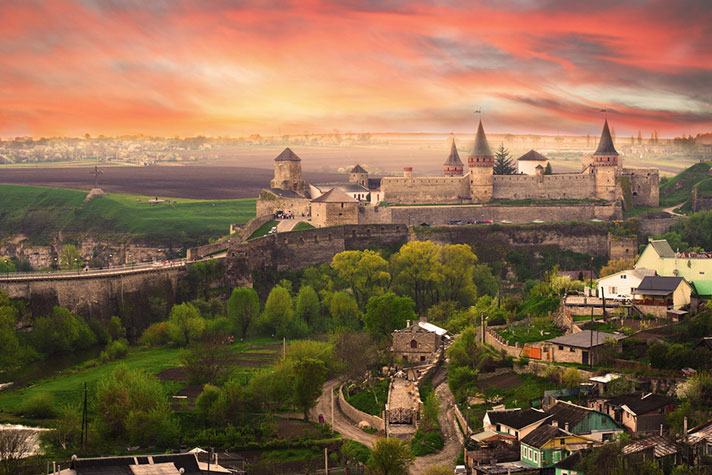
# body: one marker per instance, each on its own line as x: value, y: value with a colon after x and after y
x: 569, y: 464
x: 580, y: 420
x: 506, y: 468
x: 656, y: 294
x: 655, y: 448
x: 620, y: 286
x: 419, y: 343
x: 514, y: 421
x: 639, y: 413
x: 334, y: 208
x: 165, y: 464
x: 492, y: 447
x: 699, y: 439
x: 659, y: 256
x: 602, y: 383
x: 548, y: 445
x: 584, y: 347
x: 527, y: 163
x: 354, y: 190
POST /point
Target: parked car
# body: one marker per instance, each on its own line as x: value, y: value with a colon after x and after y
x: 460, y: 469
x: 273, y: 230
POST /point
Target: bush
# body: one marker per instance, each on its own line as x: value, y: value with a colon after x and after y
x: 39, y: 406
x: 61, y: 332
x: 156, y: 335
x: 114, y: 351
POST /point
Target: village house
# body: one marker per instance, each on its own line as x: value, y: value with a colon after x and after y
x: 334, y: 208
x: 492, y: 447
x: 656, y: 448
x: 584, y: 347
x: 528, y: 162
x: 659, y: 256
x: 584, y: 421
x: 164, y: 464
x: 419, y: 343
x: 700, y: 440
x: 569, y: 464
x: 548, y: 445
x: 620, y: 286
x: 513, y: 422
x: 657, y: 294
x: 639, y: 413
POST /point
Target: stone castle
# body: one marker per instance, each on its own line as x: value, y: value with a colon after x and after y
x: 602, y: 181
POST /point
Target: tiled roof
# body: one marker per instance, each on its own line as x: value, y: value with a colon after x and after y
x: 658, y: 285
x: 287, y: 156
x: 334, y: 195
x: 605, y: 145
x: 516, y: 418
x: 481, y: 148
x: 541, y: 435
x: 534, y: 156
x: 453, y: 160
x: 663, y: 446
x: 358, y: 169
x: 583, y: 339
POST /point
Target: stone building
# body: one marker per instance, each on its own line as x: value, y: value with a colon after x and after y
x: 334, y: 208
x: 583, y: 347
x: 288, y: 172
x: 527, y: 163
x: 418, y: 343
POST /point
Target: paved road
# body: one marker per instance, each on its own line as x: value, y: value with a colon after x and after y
x: 341, y: 424
x: 448, y: 426
x: 286, y: 225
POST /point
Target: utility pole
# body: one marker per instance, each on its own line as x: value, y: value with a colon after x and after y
x: 326, y: 461
x: 85, y: 421
x: 332, y: 409
x: 284, y: 347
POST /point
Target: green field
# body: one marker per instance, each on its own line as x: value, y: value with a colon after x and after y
x: 302, y: 225
x: 677, y: 189
x: 40, y: 213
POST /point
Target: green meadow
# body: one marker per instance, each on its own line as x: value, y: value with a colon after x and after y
x: 40, y: 213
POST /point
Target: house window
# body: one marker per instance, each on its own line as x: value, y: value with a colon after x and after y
x: 422, y: 358
x: 536, y: 457
x: 572, y: 350
x: 413, y: 344
x: 623, y: 276
x: 561, y: 348
x: 612, y: 290
x: 557, y: 456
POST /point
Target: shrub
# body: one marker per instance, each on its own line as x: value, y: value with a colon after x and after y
x: 156, y: 335
x: 114, y: 351
x: 61, y: 332
x: 39, y: 406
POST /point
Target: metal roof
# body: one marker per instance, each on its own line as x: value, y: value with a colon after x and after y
x: 516, y: 418
x: 432, y: 328
x: 662, y: 248
x: 655, y: 284
x: 605, y: 145
x: 481, y: 148
x: 453, y: 160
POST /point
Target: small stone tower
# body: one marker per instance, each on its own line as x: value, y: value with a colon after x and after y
x: 605, y: 167
x: 453, y: 165
x: 359, y: 176
x: 288, y: 172
x: 481, y: 163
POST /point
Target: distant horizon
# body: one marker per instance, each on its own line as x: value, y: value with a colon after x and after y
x: 220, y: 68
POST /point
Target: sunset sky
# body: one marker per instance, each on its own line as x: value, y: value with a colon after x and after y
x: 69, y: 67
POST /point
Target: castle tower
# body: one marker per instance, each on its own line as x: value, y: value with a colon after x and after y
x: 359, y: 176
x: 453, y: 166
x: 481, y: 163
x: 288, y: 172
x: 606, y: 154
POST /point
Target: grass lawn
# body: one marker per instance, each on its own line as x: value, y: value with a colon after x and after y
x: 42, y: 212
x: 527, y: 333
x: 302, y: 225
x: 67, y: 387
x: 677, y: 189
x: 366, y: 402
x: 263, y: 230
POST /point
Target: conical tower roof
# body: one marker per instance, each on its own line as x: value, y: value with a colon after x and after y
x: 287, y: 156
x: 453, y: 160
x: 481, y: 148
x: 605, y: 146
x: 358, y: 169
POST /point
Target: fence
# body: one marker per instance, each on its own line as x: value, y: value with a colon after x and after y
x: 356, y: 415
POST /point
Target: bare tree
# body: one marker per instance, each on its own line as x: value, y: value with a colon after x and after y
x: 15, y: 445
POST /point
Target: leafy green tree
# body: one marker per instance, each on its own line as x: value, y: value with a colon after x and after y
x: 485, y: 282
x: 243, y: 307
x: 309, y: 376
x: 206, y: 361
x: 344, y: 311
x: 365, y: 271
x: 278, y: 312
x: 354, y: 351
x: 458, y: 264
x: 185, y: 324
x: 503, y: 163
x: 390, y: 456
x: 7, y: 265
x: 61, y: 332
x: 387, y: 313
x: 571, y: 378
x: 132, y: 405
x: 307, y: 306
x: 417, y: 272
x: 10, y: 350
x: 69, y: 257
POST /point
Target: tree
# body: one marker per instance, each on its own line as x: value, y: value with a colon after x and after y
x: 354, y: 351
x: 307, y: 306
x: 571, y: 378
x: 344, y: 311
x: 503, y: 163
x: 458, y: 264
x: 15, y: 445
x: 185, y: 324
x: 132, y: 405
x: 485, y: 282
x: 61, y: 332
x: 309, y: 377
x: 69, y: 257
x: 390, y: 456
x: 387, y: 313
x: 365, y: 271
x: 617, y: 265
x: 547, y: 169
x: 278, y: 312
x: 417, y: 271
x: 243, y: 307
x: 10, y: 350
x: 206, y: 361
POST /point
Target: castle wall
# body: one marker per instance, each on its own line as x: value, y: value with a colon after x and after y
x: 334, y: 214
x: 544, y: 187
x: 481, y: 184
x: 645, y: 185
x: 606, y: 184
x: 409, y: 190
x: 268, y: 204
x: 622, y: 247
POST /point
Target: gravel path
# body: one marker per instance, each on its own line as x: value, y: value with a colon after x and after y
x: 453, y: 446
x: 341, y: 424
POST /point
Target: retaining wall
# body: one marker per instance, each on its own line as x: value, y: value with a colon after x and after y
x: 356, y: 415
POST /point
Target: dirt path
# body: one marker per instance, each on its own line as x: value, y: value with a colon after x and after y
x: 341, y: 424
x: 453, y: 446
x: 286, y: 225
x: 671, y: 211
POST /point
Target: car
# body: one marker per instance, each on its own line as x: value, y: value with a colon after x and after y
x: 273, y: 230
x: 425, y: 224
x: 460, y: 469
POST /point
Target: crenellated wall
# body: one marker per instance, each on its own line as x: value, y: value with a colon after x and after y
x: 442, y: 189
x: 544, y: 187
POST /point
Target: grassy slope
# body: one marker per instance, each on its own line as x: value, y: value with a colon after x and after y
x: 263, y: 230
x: 39, y: 211
x: 677, y: 189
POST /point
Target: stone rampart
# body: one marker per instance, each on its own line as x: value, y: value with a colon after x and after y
x: 656, y: 224
x: 425, y: 189
x: 499, y: 343
x: 544, y: 187
x: 356, y: 415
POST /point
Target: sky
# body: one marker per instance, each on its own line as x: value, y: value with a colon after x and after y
x: 233, y: 68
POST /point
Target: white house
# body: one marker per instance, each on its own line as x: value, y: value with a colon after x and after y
x: 620, y: 286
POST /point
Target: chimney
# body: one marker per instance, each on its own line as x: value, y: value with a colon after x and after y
x: 661, y: 430
x: 684, y: 427
x: 408, y: 172
x: 407, y: 323
x: 566, y: 426
x: 555, y: 423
